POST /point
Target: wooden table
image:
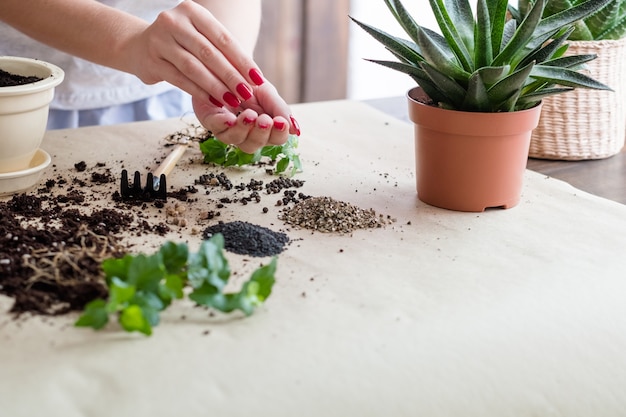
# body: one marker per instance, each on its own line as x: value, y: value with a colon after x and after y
x: 603, y: 177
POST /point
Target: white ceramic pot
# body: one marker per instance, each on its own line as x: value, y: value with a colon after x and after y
x: 24, y: 111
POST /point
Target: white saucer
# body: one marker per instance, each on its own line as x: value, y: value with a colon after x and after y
x: 14, y: 182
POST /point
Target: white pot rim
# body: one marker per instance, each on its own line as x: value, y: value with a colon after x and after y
x: 55, y: 77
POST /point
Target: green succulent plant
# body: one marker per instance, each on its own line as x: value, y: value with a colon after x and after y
x: 609, y: 22
x: 489, y: 63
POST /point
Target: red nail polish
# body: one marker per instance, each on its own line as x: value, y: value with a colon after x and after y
x: 295, y: 125
x: 244, y: 91
x: 215, y: 102
x: 248, y: 121
x: 231, y: 100
x: 255, y: 76
x: 279, y: 125
x: 263, y: 126
x: 229, y: 123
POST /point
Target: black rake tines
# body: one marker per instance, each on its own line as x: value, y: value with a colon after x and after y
x: 155, y: 189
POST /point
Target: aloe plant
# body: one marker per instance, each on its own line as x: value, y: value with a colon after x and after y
x: 488, y: 62
x: 609, y: 22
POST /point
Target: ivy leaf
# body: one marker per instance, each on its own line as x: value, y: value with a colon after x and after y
x: 219, y: 153
x: 95, y: 315
x: 174, y: 256
x: 145, y: 272
x: 115, y: 267
x: 141, y: 286
x: 120, y: 294
x: 214, y: 151
x: 257, y: 289
x: 132, y: 319
x: 209, y: 264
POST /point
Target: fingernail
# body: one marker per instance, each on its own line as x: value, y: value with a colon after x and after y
x: 215, y: 102
x: 229, y: 123
x: 263, y: 126
x: 255, y: 76
x: 295, y: 125
x: 244, y: 91
x: 231, y: 100
x: 279, y: 125
x: 248, y: 121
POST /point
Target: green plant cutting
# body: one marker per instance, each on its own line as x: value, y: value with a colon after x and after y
x: 141, y: 286
x: 609, y: 22
x: 489, y: 62
x: 284, y: 156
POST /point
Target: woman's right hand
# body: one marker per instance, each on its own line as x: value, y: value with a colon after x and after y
x: 189, y: 48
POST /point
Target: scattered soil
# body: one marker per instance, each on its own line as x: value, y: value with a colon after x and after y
x: 249, y: 239
x: 8, y: 79
x: 53, y: 239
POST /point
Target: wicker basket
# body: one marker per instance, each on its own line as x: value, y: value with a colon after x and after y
x: 586, y: 124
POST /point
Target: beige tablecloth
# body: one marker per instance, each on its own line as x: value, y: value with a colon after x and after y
x: 516, y: 312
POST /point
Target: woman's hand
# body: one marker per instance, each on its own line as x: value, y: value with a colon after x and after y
x: 190, y: 48
x: 265, y: 119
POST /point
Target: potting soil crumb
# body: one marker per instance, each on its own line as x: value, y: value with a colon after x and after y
x: 249, y: 239
x: 325, y: 214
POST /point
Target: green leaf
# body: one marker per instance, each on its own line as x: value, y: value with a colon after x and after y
x: 454, y: 93
x: 498, y: 19
x: 509, y: 87
x: 442, y: 59
x: 449, y: 31
x: 282, y: 165
x: 209, y: 264
x: 483, y: 54
x: 547, y: 51
x: 566, y: 77
x: 228, y: 155
x: 132, y: 319
x: 174, y: 256
x: 94, y: 316
x: 171, y: 288
x: 391, y: 42
x: 115, y: 267
x: 522, y: 36
x: 214, y: 151
x: 210, y: 296
x: 569, y: 16
x: 460, y: 13
x: 403, y: 17
x: 149, y: 283
x: 120, y: 293
x: 477, y: 98
x: 145, y: 272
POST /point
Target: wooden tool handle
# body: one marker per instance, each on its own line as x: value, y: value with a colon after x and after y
x: 169, y: 163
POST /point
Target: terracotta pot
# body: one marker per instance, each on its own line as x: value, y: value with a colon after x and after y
x: 470, y: 161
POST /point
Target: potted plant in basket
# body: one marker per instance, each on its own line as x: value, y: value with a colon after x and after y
x: 586, y: 124
x: 480, y: 86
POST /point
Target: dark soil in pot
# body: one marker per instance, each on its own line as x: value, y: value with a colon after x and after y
x: 8, y: 79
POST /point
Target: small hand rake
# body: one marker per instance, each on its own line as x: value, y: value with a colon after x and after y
x: 156, y: 185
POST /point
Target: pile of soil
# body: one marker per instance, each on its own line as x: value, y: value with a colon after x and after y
x: 8, y: 79
x: 53, y: 240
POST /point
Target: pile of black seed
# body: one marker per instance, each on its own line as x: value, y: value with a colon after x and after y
x: 245, y: 238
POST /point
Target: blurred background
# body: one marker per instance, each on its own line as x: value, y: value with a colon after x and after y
x: 312, y: 51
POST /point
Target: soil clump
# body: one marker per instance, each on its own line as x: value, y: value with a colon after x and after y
x: 8, y: 79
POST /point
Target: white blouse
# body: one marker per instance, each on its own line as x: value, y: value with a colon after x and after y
x: 88, y: 85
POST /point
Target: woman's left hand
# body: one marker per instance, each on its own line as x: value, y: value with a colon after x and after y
x: 265, y: 119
